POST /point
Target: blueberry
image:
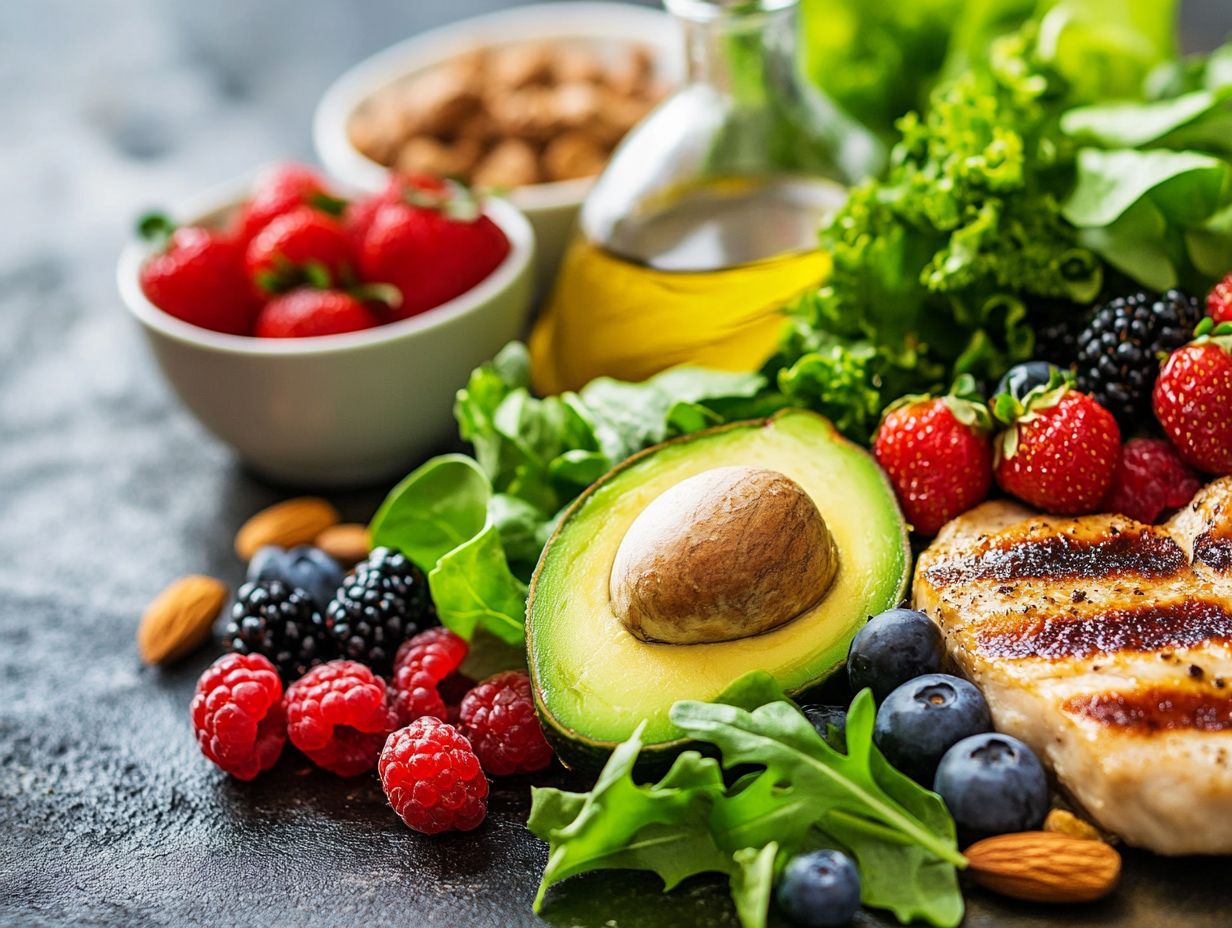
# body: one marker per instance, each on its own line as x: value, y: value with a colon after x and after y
x: 819, y: 889
x: 993, y: 784
x: 305, y: 568
x: 921, y: 720
x: 1021, y: 379
x: 826, y: 717
x: 896, y: 646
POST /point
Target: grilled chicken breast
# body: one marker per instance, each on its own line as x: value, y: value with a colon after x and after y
x: 1106, y: 645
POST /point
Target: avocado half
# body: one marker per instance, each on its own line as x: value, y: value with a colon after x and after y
x: 595, y: 681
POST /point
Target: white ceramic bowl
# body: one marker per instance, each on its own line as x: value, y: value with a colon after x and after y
x: 552, y: 208
x: 337, y: 410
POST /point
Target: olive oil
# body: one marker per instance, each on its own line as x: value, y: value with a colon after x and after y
x: 695, y: 276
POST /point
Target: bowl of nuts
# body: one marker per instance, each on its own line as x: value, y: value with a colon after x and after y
x: 529, y: 102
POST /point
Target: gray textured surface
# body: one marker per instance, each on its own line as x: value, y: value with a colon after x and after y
x: 108, y: 815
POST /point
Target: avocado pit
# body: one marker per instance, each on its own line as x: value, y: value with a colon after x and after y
x: 725, y: 554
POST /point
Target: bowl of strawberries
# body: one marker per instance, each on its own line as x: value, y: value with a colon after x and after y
x: 324, y: 338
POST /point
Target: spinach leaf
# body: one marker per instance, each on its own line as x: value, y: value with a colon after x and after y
x: 1132, y: 125
x: 445, y: 518
x: 473, y: 587
x: 439, y: 506
x: 1110, y: 182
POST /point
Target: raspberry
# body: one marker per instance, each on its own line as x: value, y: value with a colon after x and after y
x: 1150, y: 479
x: 339, y: 715
x: 499, y: 717
x: 238, y: 715
x: 433, y: 779
x: 1219, y: 300
x: 421, y: 665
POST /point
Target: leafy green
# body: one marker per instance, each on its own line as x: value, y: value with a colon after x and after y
x: 1131, y: 125
x: 472, y: 587
x: 436, y: 508
x: 935, y: 266
x: 1032, y: 170
x: 800, y: 793
x: 620, y: 825
x: 1153, y: 186
x: 878, y: 59
x: 477, y: 525
x: 1106, y: 49
x: 443, y: 517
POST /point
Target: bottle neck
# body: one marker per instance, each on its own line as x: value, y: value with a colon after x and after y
x: 738, y: 47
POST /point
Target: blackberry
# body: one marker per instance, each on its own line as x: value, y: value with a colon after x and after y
x: 1057, y: 324
x: 283, y: 623
x: 1120, y: 349
x: 382, y: 602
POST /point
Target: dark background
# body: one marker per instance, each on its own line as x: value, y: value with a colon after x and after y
x: 108, y: 490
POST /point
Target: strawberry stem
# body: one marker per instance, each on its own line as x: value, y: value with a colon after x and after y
x: 155, y: 227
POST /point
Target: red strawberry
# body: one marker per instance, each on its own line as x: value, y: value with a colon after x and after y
x: 1151, y: 480
x: 1193, y: 398
x: 1060, y: 451
x: 301, y: 246
x: 432, y: 249
x: 361, y: 212
x: 1219, y: 300
x: 306, y: 313
x: 937, y: 454
x: 198, y: 276
x: 279, y: 190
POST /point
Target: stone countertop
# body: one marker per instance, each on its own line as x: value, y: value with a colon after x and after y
x: 109, y: 816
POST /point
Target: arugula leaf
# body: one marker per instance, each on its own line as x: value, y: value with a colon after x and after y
x: 620, y: 825
x: 752, y: 881
x: 779, y: 737
x: 800, y: 794
x: 907, y: 880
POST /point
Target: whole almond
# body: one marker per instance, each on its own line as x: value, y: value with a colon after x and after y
x: 293, y: 522
x: 1044, y: 866
x: 178, y: 621
x: 347, y: 542
x: 1067, y: 823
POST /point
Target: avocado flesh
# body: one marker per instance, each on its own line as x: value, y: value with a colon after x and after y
x: 594, y: 681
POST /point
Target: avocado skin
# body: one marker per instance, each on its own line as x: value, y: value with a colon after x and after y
x: 587, y: 755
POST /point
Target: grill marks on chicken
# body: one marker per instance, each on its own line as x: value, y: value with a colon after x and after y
x: 1155, y: 710
x: 1140, y: 551
x: 1214, y: 550
x: 1106, y: 645
x: 1179, y: 624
